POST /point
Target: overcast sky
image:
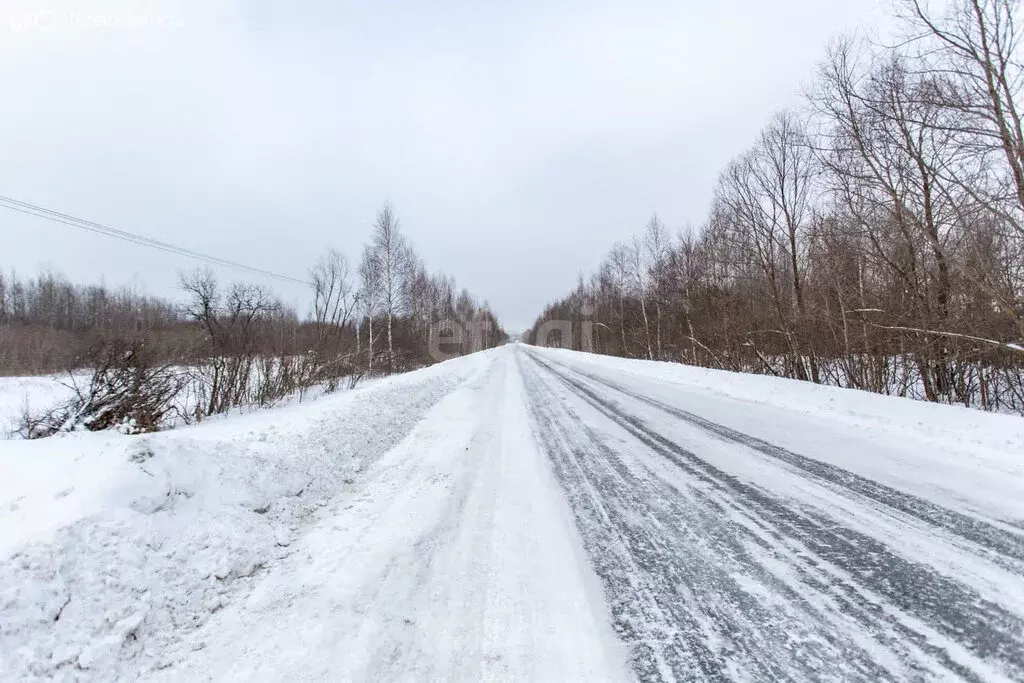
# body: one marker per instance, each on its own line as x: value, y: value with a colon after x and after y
x: 517, y: 140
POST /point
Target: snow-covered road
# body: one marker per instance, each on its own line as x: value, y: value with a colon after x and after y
x: 531, y: 514
x: 455, y: 559
x: 725, y: 556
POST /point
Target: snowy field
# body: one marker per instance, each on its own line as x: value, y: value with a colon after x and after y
x: 18, y: 394
x: 525, y: 514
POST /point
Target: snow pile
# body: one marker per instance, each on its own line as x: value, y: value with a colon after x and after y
x: 856, y: 408
x: 113, y: 549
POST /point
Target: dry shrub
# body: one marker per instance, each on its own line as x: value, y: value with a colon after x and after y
x: 127, y: 391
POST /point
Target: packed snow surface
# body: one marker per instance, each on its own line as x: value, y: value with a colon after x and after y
x: 525, y: 514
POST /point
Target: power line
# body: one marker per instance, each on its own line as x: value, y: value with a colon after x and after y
x: 140, y: 240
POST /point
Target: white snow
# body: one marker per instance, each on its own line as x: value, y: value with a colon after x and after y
x: 955, y: 461
x: 35, y: 394
x: 115, y: 548
x: 413, y: 529
x: 457, y: 559
x: 965, y: 458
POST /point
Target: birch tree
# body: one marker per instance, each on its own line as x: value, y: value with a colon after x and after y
x: 389, y: 252
x: 369, y: 297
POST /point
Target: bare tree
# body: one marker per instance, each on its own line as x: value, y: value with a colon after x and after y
x: 638, y: 270
x: 390, y: 254
x: 973, y: 50
x: 876, y: 243
x: 656, y: 250
x: 334, y: 302
x: 333, y: 295
x: 369, y: 296
x: 235, y: 321
x: 618, y: 270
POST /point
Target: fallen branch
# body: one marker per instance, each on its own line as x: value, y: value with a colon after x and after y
x: 953, y: 335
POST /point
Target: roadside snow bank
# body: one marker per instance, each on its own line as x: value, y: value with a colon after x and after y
x: 113, y: 548
x: 937, y: 421
x: 968, y: 459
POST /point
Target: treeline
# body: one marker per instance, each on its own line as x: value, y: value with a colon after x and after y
x: 47, y: 324
x: 874, y: 239
x: 229, y: 345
